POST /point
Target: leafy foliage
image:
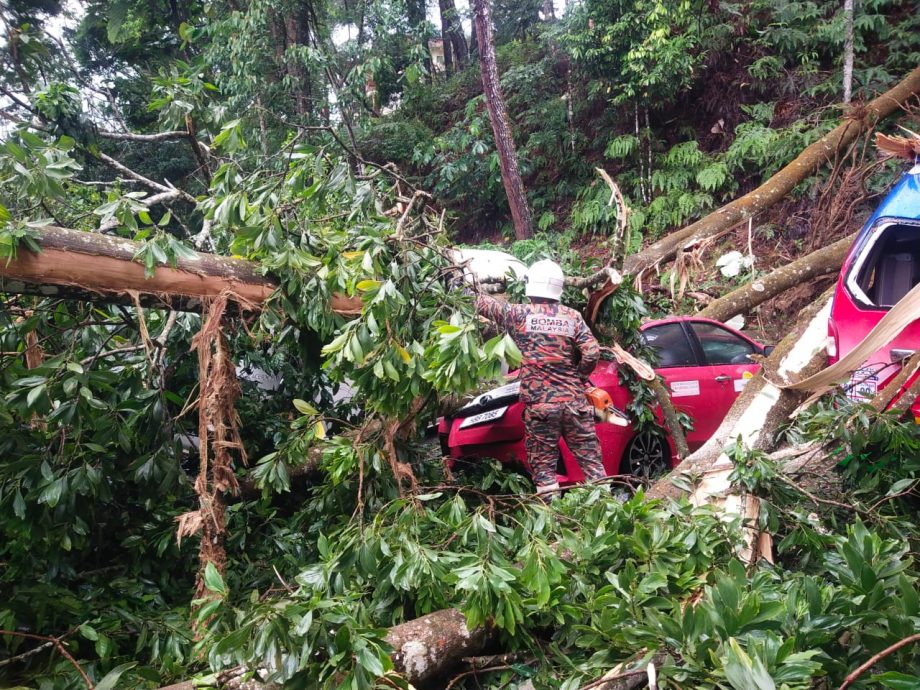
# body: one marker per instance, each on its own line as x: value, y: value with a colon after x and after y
x: 285, y: 151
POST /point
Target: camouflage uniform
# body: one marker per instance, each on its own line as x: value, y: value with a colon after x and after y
x: 558, y: 353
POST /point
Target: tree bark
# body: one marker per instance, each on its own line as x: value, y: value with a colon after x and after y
x: 549, y: 11
x: 94, y: 267
x: 778, y: 186
x: 446, y: 45
x: 297, y: 31
x: 671, y: 420
x: 474, y: 42
x: 456, y: 51
x: 501, y: 127
x: 822, y: 262
x: 428, y: 647
x: 423, y: 649
x: 848, y: 51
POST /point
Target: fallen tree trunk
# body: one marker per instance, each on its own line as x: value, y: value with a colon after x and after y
x: 96, y: 267
x: 762, y: 406
x: 423, y: 649
x: 428, y: 647
x: 822, y: 262
x: 778, y: 186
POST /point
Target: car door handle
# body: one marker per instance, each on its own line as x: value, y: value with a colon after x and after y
x: 722, y: 378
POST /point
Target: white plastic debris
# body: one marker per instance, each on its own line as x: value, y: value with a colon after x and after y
x: 731, y: 263
x: 488, y: 265
x: 736, y: 322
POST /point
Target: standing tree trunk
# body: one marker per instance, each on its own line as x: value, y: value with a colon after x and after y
x: 456, y: 51
x: 549, y: 11
x: 501, y: 127
x: 474, y: 42
x: 848, y: 51
x: 297, y: 28
x: 415, y: 12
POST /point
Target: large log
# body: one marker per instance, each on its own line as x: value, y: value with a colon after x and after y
x: 96, y: 267
x: 762, y: 406
x: 783, y: 182
x: 822, y: 262
x: 423, y: 649
x: 430, y: 646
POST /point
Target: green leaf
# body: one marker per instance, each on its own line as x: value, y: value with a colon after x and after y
x: 213, y: 581
x: 370, y: 661
x: 103, y: 647
x: 305, y: 408
x: 745, y: 673
x: 51, y: 494
x: 366, y: 285
x: 110, y: 679
x: 19, y: 505
x: 89, y: 632
x: 208, y: 609
x: 897, y: 680
x: 901, y: 485
x: 34, y: 394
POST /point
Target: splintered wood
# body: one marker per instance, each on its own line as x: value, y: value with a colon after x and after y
x: 219, y: 439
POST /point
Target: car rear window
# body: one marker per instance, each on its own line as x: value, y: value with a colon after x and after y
x: 887, y: 267
x: 670, y: 344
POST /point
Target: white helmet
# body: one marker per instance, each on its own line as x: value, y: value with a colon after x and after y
x: 545, y: 279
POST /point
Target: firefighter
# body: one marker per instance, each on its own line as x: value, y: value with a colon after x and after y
x: 558, y: 353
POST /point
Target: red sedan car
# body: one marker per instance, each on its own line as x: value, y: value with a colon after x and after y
x: 883, y: 265
x: 704, y: 363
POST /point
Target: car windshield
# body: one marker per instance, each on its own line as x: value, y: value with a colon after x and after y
x: 888, y: 266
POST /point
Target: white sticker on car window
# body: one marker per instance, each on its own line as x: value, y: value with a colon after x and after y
x: 683, y: 389
x: 549, y: 325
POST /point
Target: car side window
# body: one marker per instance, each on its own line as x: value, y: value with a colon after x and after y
x: 721, y: 346
x: 670, y: 344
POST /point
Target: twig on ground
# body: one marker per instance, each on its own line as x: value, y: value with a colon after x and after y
x: 472, y: 672
x: 59, y: 646
x: 26, y: 655
x: 850, y: 679
x: 605, y: 679
x: 817, y: 500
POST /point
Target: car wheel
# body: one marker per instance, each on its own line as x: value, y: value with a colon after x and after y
x: 646, y: 456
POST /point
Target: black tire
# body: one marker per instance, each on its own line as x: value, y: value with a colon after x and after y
x: 646, y: 457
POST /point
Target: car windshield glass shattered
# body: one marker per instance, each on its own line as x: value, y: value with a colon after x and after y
x: 888, y: 266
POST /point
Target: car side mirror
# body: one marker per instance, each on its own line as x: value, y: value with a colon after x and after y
x: 768, y: 349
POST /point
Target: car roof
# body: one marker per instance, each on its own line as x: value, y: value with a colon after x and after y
x: 903, y: 201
